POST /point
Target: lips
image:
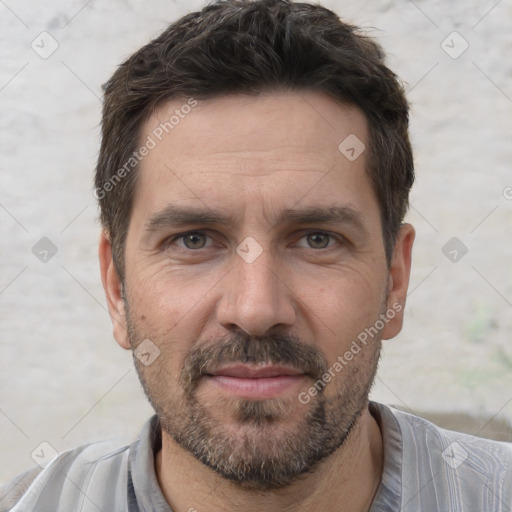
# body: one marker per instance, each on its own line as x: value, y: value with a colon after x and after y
x: 255, y: 382
x: 242, y: 371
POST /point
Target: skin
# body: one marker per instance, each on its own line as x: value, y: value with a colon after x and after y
x: 252, y: 157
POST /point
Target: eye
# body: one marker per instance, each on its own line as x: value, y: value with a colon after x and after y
x: 319, y: 239
x: 196, y: 240
x: 192, y: 240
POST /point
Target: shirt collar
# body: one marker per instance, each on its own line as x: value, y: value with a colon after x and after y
x: 146, y: 492
x: 389, y: 493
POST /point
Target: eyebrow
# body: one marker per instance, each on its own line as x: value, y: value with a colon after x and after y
x: 174, y: 216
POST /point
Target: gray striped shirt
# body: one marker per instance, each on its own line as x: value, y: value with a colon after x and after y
x: 426, y: 469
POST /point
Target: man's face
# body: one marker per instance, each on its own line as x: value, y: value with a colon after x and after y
x: 262, y: 296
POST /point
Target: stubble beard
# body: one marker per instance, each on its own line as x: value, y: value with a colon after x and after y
x: 260, y: 450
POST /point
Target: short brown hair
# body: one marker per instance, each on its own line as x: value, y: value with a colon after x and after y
x: 237, y: 46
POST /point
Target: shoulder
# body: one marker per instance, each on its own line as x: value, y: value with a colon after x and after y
x: 11, y: 492
x: 452, y: 468
x: 454, y: 447
x: 64, y: 482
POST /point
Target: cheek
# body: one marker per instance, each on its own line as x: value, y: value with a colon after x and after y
x: 167, y: 298
x: 169, y: 312
x: 345, y: 309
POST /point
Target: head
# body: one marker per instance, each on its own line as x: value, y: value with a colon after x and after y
x: 253, y: 177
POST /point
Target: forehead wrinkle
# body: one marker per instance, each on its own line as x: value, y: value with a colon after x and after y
x: 254, y: 174
x: 241, y: 167
x: 279, y: 157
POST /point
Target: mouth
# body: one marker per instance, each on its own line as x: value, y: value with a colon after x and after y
x: 255, y: 382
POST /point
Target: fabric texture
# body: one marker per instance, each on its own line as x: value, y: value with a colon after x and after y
x: 426, y: 469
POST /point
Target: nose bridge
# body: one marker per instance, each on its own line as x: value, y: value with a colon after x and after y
x: 255, y: 297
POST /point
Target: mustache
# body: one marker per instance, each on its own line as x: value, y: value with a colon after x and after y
x: 274, y: 349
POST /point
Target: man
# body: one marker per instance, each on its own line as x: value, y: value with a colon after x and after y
x: 253, y: 178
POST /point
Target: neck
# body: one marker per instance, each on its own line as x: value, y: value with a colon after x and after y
x: 346, y: 480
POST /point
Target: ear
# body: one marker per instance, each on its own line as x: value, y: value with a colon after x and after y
x: 113, y: 291
x: 398, y: 281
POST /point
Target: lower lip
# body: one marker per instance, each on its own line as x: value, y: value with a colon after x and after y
x: 266, y: 387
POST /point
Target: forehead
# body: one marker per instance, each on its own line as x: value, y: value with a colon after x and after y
x: 241, y: 152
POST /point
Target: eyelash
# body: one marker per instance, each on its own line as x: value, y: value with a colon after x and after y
x: 339, y: 238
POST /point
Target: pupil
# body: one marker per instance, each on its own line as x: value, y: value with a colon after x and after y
x: 317, y: 236
x: 193, y: 239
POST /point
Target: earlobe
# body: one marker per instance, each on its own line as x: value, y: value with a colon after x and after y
x: 114, y: 291
x: 398, y: 281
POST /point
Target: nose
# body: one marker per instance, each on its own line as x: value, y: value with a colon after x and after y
x: 256, y: 297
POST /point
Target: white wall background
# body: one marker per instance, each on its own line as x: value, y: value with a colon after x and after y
x: 63, y: 378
